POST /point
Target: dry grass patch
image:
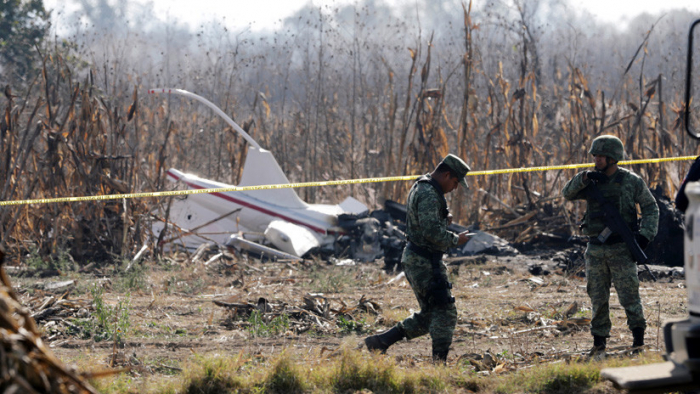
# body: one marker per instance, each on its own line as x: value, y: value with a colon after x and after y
x: 349, y: 371
x: 567, y: 377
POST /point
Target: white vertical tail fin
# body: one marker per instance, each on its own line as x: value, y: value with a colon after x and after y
x: 261, y: 168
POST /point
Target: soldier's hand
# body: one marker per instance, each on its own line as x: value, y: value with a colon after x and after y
x: 594, y: 175
x: 449, y: 219
x: 464, y: 237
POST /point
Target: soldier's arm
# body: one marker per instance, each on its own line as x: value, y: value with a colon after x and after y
x: 650, y: 211
x: 432, y: 224
x: 573, y: 190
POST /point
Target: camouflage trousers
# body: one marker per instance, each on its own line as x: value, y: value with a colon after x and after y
x: 437, y: 320
x: 606, y: 264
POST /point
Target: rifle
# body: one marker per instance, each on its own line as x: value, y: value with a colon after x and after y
x: 615, y: 224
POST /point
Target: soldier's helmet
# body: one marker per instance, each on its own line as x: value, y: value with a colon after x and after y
x: 608, y: 145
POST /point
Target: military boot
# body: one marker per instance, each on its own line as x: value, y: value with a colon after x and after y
x: 382, y: 341
x: 598, y: 350
x: 599, y: 342
x: 638, y: 339
x: 440, y: 356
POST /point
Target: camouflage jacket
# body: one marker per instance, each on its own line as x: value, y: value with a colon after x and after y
x: 624, y: 189
x: 426, y: 218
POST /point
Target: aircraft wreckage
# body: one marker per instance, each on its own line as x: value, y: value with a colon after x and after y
x: 277, y: 223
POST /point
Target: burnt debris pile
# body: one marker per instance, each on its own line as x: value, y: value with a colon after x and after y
x: 541, y: 231
x: 382, y: 234
x: 667, y: 247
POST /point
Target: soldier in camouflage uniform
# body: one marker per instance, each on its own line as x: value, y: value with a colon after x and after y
x: 610, y: 260
x: 427, y: 219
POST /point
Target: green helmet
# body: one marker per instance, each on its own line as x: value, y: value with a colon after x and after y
x: 608, y: 145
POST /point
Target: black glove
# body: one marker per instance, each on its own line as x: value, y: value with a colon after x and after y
x: 595, y: 175
x: 642, y: 241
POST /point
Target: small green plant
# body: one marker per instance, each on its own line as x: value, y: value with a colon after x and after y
x: 62, y: 262
x: 103, y: 314
x: 349, y: 326
x: 33, y: 259
x: 260, y: 328
x: 106, y: 323
x: 82, y: 328
x: 133, y: 279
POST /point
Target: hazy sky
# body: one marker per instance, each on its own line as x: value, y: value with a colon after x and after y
x: 263, y: 14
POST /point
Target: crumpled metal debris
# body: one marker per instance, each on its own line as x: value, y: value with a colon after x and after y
x: 484, y: 242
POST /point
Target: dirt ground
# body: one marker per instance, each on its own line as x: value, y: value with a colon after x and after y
x: 313, y: 308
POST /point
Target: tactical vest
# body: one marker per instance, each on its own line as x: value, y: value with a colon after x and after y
x: 593, y: 220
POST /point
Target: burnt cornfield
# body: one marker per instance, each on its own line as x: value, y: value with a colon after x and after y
x: 343, y: 93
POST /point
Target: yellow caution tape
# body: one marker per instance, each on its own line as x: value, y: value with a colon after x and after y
x: 575, y: 166
x: 310, y: 184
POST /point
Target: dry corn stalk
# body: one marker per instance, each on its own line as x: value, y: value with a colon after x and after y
x: 26, y: 364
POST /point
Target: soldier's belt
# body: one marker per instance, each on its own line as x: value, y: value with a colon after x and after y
x: 423, y: 252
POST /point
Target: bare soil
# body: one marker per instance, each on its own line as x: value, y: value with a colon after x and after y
x: 503, y: 310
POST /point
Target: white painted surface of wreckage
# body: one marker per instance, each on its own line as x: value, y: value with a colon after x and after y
x: 250, y: 212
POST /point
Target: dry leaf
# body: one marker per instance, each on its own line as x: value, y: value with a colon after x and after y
x: 500, y: 368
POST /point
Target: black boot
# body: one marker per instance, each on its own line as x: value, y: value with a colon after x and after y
x: 598, y: 346
x: 382, y: 341
x: 638, y: 341
x: 599, y: 342
x: 440, y: 357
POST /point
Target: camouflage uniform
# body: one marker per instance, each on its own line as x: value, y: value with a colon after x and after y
x: 612, y: 261
x: 426, y: 221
